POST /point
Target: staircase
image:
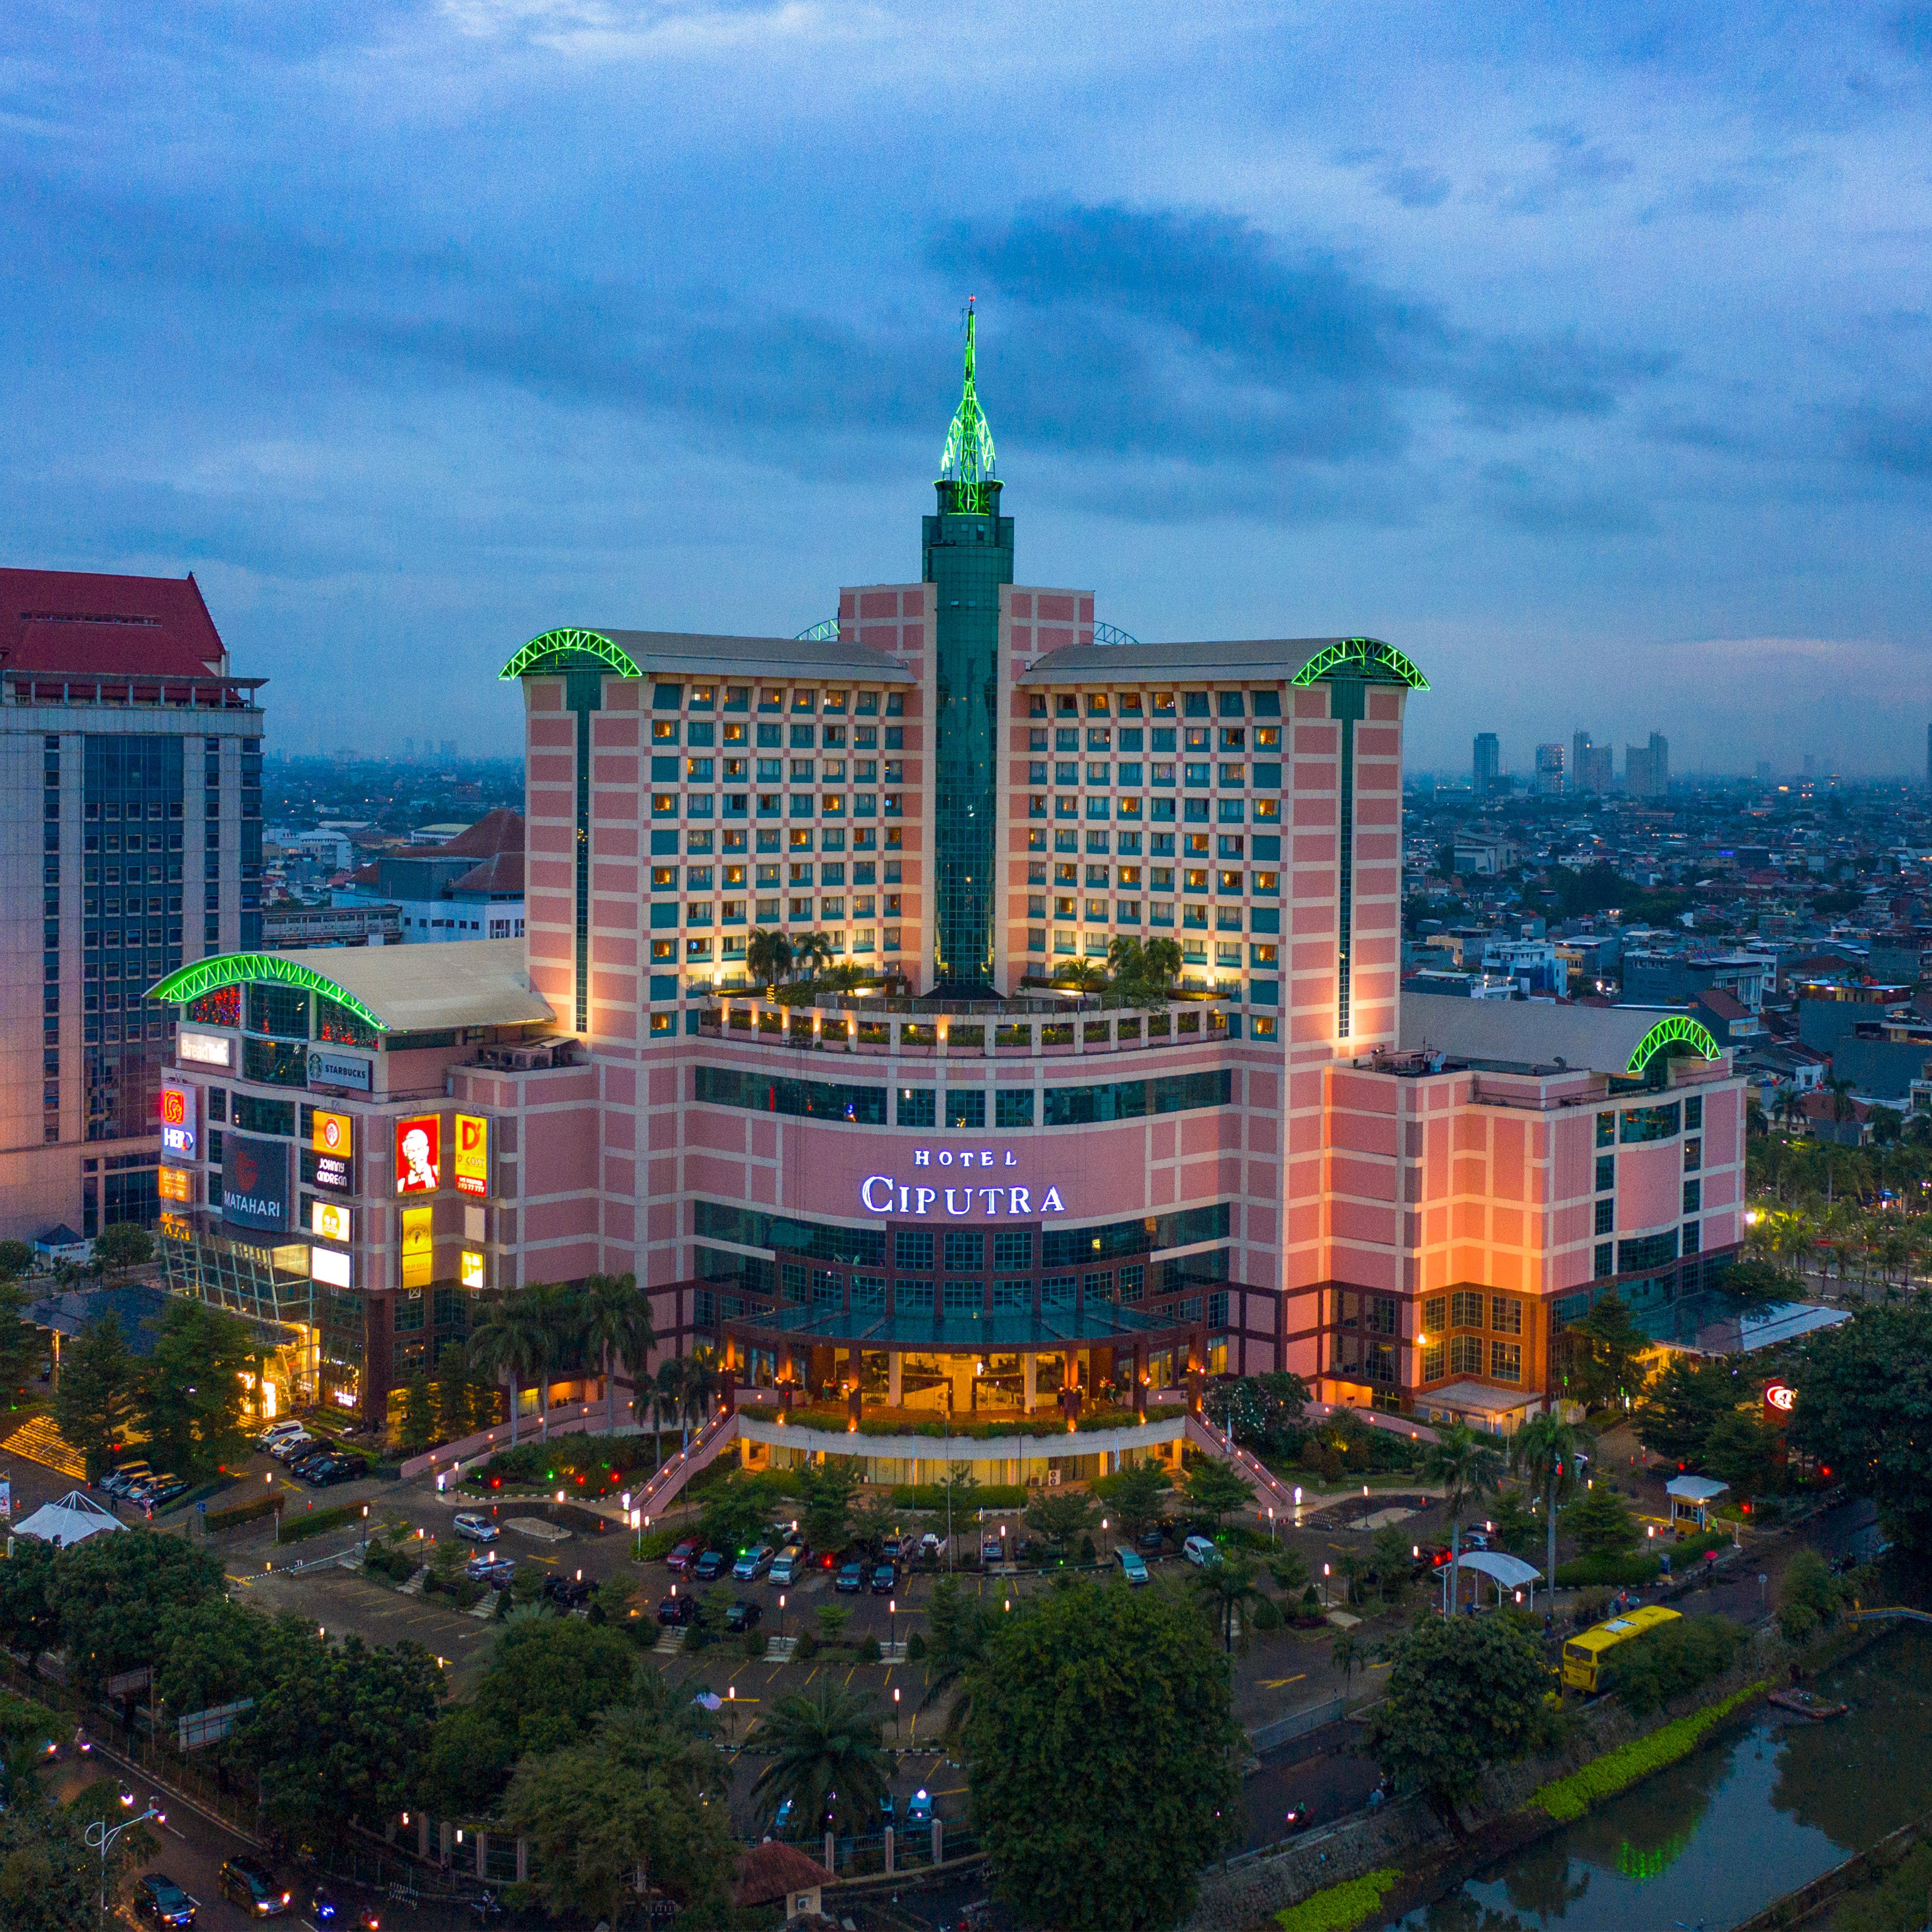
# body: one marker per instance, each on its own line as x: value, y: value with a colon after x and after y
x: 41, y: 1442
x: 662, y: 1490
x: 1269, y: 1490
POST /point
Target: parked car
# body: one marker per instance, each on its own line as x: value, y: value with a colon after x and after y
x: 252, y: 1888
x: 287, y: 1448
x: 1150, y: 1542
x: 932, y: 1544
x: 683, y: 1556
x: 1200, y: 1551
x: 753, y: 1563
x: 1474, y: 1539
x: 744, y: 1615
x: 789, y: 1565
x: 851, y: 1578
x: 1133, y: 1565
x: 328, y: 1470
x: 919, y: 1808
x: 125, y: 1477
x: 992, y: 1550
x: 473, y: 1526
x: 486, y: 1568
x: 277, y: 1432
x: 567, y: 1593
x: 676, y: 1613
x: 898, y: 1549
x: 710, y: 1566
x: 310, y: 1451
x: 157, y: 1897
x: 885, y: 1580
x: 163, y: 1489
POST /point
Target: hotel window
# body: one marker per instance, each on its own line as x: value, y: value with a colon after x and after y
x: 1605, y: 1263
x: 1379, y: 1314
x: 1693, y: 1111
x: 1606, y: 1215
x: 1133, y: 1281
x: 1465, y: 1309
x: 964, y: 1298
x: 1506, y: 1361
x: 664, y: 949
x: 1234, y: 775
x: 1435, y: 1315
x: 1606, y: 1172
x: 918, y: 1107
x: 1013, y: 1249
x: 1690, y: 1237
x: 965, y: 1108
x: 1606, y: 1130
x: 913, y: 1297
x: 1012, y: 1107
x: 825, y: 1292
x: 1097, y: 1286
x: 1694, y: 1156
x: 1651, y: 1251
x: 868, y: 1293
x: 1013, y: 1295
x: 1056, y: 1291
x: 663, y: 732
x: 1505, y: 1315
x: 1465, y: 1354
x: 1432, y: 1362
x: 965, y: 1248
x: 1694, y: 1197
x: 912, y: 1248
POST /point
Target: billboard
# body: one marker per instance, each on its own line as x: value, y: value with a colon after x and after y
x: 419, y: 1154
x: 472, y: 1154
x: 471, y: 1272
x: 176, y: 1183
x: 330, y: 1268
x: 1780, y: 1398
x: 333, y: 1134
x: 418, y: 1246
x: 331, y: 1220
x: 204, y: 1049
x: 255, y: 1190
x: 181, y: 1120
x: 330, y: 1066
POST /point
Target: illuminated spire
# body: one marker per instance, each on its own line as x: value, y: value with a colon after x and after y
x: 968, y: 463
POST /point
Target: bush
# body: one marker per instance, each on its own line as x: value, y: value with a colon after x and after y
x: 1569, y: 1798
x: 1341, y: 1907
x: 313, y: 1522
x: 1809, y: 1597
x: 753, y: 1646
x: 696, y: 1637
x: 655, y: 1545
x: 1606, y: 1567
x: 916, y: 1647
x: 1265, y: 1616
x: 217, y: 1521
x: 590, y: 1466
x: 395, y: 1563
x: 1662, y: 1663
x: 868, y: 1650
x: 985, y: 1495
x: 806, y: 1648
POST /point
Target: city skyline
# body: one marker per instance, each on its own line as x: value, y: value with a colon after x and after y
x: 1619, y: 372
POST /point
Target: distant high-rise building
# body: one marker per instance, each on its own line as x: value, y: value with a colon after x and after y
x: 1488, y: 762
x: 1810, y: 765
x: 1928, y: 757
x: 447, y: 749
x: 1580, y: 749
x: 1549, y: 771
x: 1601, y: 769
x: 1647, y: 767
x: 409, y: 748
x: 126, y: 739
x: 1764, y: 764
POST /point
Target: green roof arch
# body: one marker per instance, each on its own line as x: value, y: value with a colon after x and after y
x: 1366, y: 657
x: 1678, y: 1030
x: 239, y: 969
x: 571, y: 649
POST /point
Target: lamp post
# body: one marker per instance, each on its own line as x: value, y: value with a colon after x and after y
x: 781, y: 1629
x: 1327, y: 1600
x: 896, y: 1709
x: 891, y: 1626
x: 98, y: 1836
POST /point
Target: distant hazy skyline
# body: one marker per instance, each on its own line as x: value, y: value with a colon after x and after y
x: 1581, y: 351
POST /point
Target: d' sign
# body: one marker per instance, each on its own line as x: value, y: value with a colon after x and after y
x: 880, y: 1194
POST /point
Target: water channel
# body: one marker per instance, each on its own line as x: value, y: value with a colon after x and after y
x: 1765, y: 1809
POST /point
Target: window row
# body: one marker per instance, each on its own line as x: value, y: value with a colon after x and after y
x: 1199, y: 775
x: 800, y: 701
x: 1200, y: 738
x: 1464, y: 1355
x: 778, y: 737
x: 1124, y: 704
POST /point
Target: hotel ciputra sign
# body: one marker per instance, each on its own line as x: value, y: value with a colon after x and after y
x: 885, y: 1194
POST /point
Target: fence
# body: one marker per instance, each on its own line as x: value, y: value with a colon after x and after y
x: 1298, y: 1724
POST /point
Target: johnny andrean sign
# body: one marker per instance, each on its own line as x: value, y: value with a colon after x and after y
x: 885, y: 1194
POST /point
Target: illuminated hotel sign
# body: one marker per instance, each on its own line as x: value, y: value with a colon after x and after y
x: 880, y: 1194
x: 179, y: 1120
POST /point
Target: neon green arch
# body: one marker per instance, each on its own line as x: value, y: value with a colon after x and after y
x: 237, y: 969
x: 1368, y: 656
x: 1670, y: 1033
x: 570, y: 650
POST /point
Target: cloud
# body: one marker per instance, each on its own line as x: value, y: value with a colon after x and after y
x: 1910, y: 31
x: 1893, y: 436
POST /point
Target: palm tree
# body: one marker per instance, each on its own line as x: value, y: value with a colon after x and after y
x: 1161, y: 962
x: 1082, y: 974
x: 553, y: 1314
x: 1228, y: 1588
x: 814, y: 953
x: 957, y: 1627
x: 617, y: 1321
x: 826, y: 1757
x: 1349, y: 1653
x: 666, y: 1399
x: 1789, y: 1106
x: 1545, y: 1450
x: 1840, y: 1088
x: 510, y: 1339
x: 1466, y: 1465
x: 768, y: 958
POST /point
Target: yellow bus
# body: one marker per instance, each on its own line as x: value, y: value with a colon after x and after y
x: 1584, y: 1654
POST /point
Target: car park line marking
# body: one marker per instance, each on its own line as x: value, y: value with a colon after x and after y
x: 1282, y: 1683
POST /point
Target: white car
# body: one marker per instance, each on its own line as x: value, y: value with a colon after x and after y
x: 284, y: 1446
x: 277, y: 1432
x: 1200, y: 1551
x: 474, y: 1527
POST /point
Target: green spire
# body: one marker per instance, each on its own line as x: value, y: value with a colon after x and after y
x: 968, y: 463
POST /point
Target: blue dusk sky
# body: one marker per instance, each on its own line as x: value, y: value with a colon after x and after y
x: 1581, y: 351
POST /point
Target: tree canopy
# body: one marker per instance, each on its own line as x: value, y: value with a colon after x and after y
x: 93, y: 1400
x: 1863, y: 1410
x: 1094, y: 1704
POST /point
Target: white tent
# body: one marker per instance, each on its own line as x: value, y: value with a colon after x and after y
x: 72, y: 1519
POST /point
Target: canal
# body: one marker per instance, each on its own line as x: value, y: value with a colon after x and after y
x: 1765, y: 1809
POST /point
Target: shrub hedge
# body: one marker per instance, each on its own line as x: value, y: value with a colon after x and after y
x: 1568, y: 1798
x: 985, y: 1495
x: 216, y: 1521
x: 1648, y: 1671
x: 1340, y: 1907
x: 313, y: 1522
x: 1581, y: 1573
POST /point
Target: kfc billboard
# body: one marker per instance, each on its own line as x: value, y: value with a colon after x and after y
x: 419, y: 1154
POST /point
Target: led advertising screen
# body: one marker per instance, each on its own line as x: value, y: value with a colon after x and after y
x: 255, y: 1190
x: 181, y: 1120
x: 331, y: 1220
x: 419, y: 1154
x: 205, y: 1049
x: 327, y: 1266
x: 176, y: 1183
x: 472, y: 1154
x: 471, y: 1272
x: 418, y: 1246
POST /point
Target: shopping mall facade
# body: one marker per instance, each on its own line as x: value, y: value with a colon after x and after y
x: 963, y: 1212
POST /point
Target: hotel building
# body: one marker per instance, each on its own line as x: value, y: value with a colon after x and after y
x: 963, y: 1191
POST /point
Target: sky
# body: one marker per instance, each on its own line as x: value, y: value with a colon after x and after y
x: 1582, y: 352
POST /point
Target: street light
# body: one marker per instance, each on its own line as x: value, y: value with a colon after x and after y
x: 1326, y: 1598
x: 781, y: 1598
x: 99, y: 1837
x: 892, y: 1623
